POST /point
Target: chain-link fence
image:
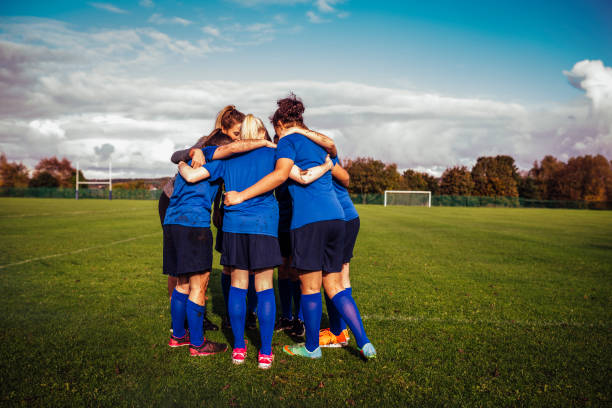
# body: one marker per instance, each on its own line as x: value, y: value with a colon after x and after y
x: 436, y: 201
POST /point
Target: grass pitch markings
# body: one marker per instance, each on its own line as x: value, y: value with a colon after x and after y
x: 78, y: 250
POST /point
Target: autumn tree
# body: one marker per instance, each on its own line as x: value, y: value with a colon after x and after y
x: 61, y: 170
x: 369, y: 176
x: 418, y: 181
x: 586, y: 178
x: 456, y: 181
x: 13, y: 174
x: 495, y: 176
x: 544, y: 175
x: 44, y: 179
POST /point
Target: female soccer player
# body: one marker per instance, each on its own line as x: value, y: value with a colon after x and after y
x: 188, y: 257
x: 249, y: 239
x: 228, y: 121
x: 337, y: 334
x: 317, y: 230
x: 288, y: 278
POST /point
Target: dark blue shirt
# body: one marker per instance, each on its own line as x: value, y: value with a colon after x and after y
x: 312, y: 202
x: 190, y: 202
x: 259, y: 215
x: 350, y: 213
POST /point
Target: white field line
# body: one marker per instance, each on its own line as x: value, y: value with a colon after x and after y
x: 71, y: 213
x: 471, y: 322
x: 78, y: 250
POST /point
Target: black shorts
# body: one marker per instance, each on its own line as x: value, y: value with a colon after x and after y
x: 284, y: 240
x: 219, y: 241
x: 318, y: 246
x: 250, y: 251
x: 187, y: 250
x: 350, y: 237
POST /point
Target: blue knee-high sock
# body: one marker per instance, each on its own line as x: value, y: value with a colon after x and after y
x: 178, y: 312
x: 226, y: 281
x: 297, y: 296
x: 236, y: 307
x: 266, y: 312
x: 336, y: 324
x: 312, y: 309
x: 251, y: 295
x: 348, y: 310
x: 285, y: 294
x: 195, y: 316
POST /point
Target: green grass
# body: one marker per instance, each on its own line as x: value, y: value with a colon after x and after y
x: 466, y: 306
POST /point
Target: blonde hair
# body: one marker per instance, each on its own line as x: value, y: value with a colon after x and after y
x: 253, y: 128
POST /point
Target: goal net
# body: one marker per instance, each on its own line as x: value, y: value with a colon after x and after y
x: 414, y: 198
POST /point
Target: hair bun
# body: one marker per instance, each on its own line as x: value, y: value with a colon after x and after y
x: 290, y: 109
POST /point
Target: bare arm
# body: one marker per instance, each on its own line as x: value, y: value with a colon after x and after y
x: 269, y: 182
x: 192, y: 175
x: 319, y: 138
x: 341, y: 175
x: 240, y: 146
x: 312, y: 174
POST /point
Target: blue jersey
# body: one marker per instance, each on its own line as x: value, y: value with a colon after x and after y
x: 285, y: 208
x: 315, y: 201
x: 190, y: 202
x: 350, y: 213
x: 209, y: 152
x: 259, y: 215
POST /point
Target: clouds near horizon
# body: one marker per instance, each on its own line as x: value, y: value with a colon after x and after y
x: 89, y: 96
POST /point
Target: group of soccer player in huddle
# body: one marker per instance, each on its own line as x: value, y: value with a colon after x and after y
x: 285, y: 205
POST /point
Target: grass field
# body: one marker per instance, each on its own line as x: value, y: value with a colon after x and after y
x: 466, y: 306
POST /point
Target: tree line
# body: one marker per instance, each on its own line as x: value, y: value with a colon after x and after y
x: 582, y: 178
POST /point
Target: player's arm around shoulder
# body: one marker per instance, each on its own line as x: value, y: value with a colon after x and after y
x: 192, y: 175
x: 311, y: 174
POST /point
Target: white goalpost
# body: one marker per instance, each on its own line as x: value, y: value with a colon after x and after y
x: 414, y: 198
x: 109, y: 182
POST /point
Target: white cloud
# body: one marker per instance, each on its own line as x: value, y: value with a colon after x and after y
x: 252, y: 3
x: 109, y: 7
x: 325, y: 6
x: 315, y: 18
x: 74, y: 92
x: 159, y: 19
x: 211, y: 30
x: 146, y: 3
x: 280, y: 19
x: 596, y: 80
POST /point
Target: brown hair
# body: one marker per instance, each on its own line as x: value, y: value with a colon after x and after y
x: 217, y: 138
x: 289, y: 112
x: 228, y: 117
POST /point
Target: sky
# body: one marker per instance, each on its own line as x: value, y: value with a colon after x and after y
x: 425, y: 85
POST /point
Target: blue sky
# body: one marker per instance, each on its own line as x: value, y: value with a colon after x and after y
x: 515, y: 54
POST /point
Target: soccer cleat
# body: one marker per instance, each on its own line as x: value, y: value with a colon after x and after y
x: 346, y: 334
x: 298, y: 329
x: 251, y: 321
x: 283, y: 324
x: 179, y: 341
x: 209, y: 326
x: 302, y: 351
x: 207, y: 348
x: 238, y: 355
x: 265, y: 361
x: 368, y: 351
x: 329, y: 339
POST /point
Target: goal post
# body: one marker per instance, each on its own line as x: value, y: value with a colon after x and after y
x: 109, y: 182
x: 413, y: 198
